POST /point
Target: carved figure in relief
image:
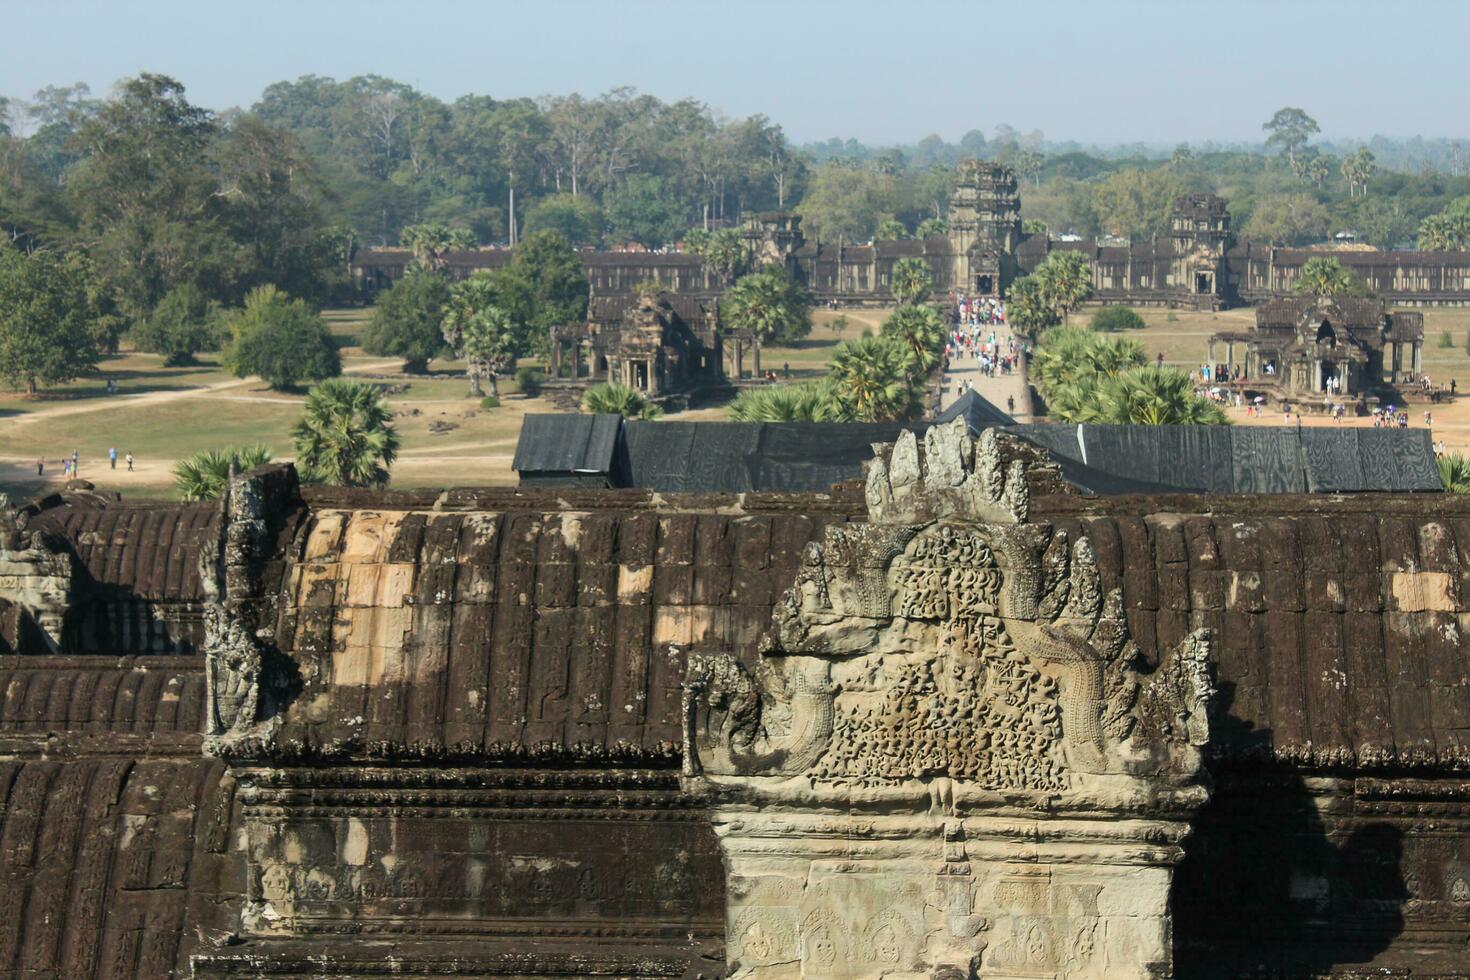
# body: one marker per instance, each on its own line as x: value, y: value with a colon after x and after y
x: 947, y: 638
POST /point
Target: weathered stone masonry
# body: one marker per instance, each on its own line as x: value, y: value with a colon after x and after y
x: 606, y: 733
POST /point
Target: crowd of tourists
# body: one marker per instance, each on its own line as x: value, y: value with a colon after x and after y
x: 972, y: 334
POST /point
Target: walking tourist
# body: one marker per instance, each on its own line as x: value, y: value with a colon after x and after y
x: 129, y: 458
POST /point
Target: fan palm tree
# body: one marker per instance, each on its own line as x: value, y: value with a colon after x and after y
x: 1454, y: 470
x: 432, y: 243
x: 1155, y: 396
x: 346, y: 435
x: 921, y: 332
x: 203, y: 476
x: 1323, y: 276
x: 911, y: 280
x: 813, y: 401
x: 1066, y: 281
x: 868, y: 375
x: 616, y: 399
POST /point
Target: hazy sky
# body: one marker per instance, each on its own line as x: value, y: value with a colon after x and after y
x: 893, y: 71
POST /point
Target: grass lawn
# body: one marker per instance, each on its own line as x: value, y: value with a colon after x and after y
x: 808, y: 357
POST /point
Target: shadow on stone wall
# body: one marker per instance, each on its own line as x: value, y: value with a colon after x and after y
x: 1279, y: 880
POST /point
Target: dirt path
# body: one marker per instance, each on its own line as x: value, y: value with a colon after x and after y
x: 162, y: 397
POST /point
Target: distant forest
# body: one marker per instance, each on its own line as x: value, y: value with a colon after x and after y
x: 159, y: 191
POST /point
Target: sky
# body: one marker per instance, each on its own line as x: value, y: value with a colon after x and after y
x: 1095, y: 71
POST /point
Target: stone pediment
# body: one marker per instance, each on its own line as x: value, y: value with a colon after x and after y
x: 935, y: 674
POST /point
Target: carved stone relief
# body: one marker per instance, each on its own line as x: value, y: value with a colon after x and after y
x: 949, y: 760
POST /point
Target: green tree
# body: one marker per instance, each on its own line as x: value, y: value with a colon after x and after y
x: 844, y: 205
x: 911, y: 280
x: 723, y: 252
x: 1066, y: 281
x: 770, y: 305
x: 1027, y: 306
x: 1136, y: 203
x: 1090, y: 377
x: 870, y: 379
x: 1028, y: 164
x: 811, y: 401
x: 47, y: 330
x: 1287, y: 219
x: 146, y: 195
x: 1113, y: 318
x: 618, y: 399
x: 1454, y: 470
x: 1447, y: 230
x: 1155, y: 396
x: 346, y: 434
x: 577, y: 218
x: 1070, y: 362
x: 1323, y: 275
x: 1311, y: 168
x: 273, y: 211
x: 280, y: 339
x: 204, y: 475
x: 480, y: 333
x: 645, y: 209
x: 890, y: 229
x: 182, y: 325
x: 1289, y: 129
x: 920, y: 331
x: 431, y: 243
x: 1358, y: 169
x: 932, y: 227
x: 407, y: 321
x: 552, y: 280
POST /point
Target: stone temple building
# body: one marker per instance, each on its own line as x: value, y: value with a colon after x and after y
x: 1199, y: 264
x: 1303, y: 346
x: 660, y: 344
x: 951, y: 721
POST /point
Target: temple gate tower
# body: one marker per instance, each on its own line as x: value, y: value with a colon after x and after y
x: 1201, y: 235
x: 984, y: 227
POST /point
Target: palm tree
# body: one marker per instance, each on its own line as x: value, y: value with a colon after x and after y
x: 890, y: 229
x: 1447, y: 231
x: 1027, y: 306
x: 868, y: 375
x: 812, y: 401
x: 204, y: 475
x: 345, y: 435
x: 1066, y: 281
x: 770, y: 306
x: 1322, y: 276
x: 930, y: 227
x: 921, y: 332
x: 911, y: 280
x: 480, y: 332
x: 615, y: 399
x: 1156, y: 396
x: 1454, y: 470
x: 432, y: 243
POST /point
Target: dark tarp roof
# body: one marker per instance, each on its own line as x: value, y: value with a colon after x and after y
x: 1106, y: 459
x: 734, y: 457
x: 978, y: 412
x: 567, y: 444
